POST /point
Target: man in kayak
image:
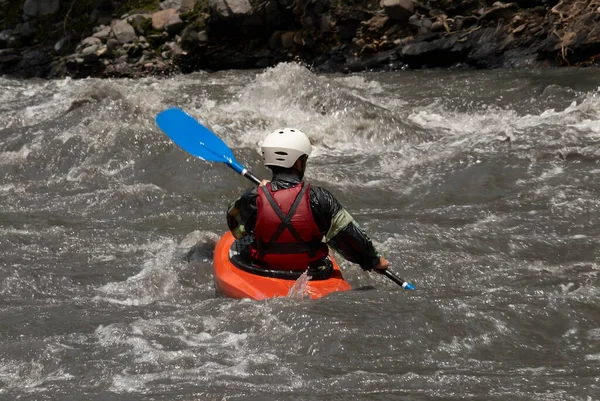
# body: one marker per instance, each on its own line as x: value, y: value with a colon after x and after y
x: 289, y: 218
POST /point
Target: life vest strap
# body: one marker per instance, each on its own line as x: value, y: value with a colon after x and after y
x: 286, y: 220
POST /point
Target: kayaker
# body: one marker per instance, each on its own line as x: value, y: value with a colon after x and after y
x: 289, y: 218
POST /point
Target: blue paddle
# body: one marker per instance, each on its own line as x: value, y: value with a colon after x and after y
x: 201, y: 142
x: 198, y: 140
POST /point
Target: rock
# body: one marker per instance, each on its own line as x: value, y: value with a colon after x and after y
x: 91, y: 41
x: 123, y: 32
x: 399, y: 10
x: 103, y: 34
x: 102, y: 51
x: 173, y: 48
x: 182, y: 6
x: 9, y: 56
x: 39, y: 8
x: 299, y: 38
x: 89, y: 50
x: 230, y: 8
x: 25, y: 29
x: 287, y: 39
x: 174, y: 25
x: 275, y: 40
x: 437, y: 26
x: 189, y: 38
x: 60, y: 45
x: 161, y: 18
x: 112, y: 44
x: 202, y: 36
x: 5, y: 35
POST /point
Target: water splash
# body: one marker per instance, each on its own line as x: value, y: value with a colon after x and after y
x: 300, y: 289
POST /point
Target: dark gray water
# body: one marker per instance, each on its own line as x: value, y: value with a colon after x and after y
x: 482, y: 188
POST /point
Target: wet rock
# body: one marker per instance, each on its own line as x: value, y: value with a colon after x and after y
x: 161, y: 18
x: 399, y: 10
x: 39, y: 8
x: 123, y: 32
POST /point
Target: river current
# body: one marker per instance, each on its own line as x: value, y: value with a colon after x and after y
x: 480, y: 187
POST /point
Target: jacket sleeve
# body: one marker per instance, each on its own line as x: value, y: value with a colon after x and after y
x: 341, y: 232
x: 241, y: 214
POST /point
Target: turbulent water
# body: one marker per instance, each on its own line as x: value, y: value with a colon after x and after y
x: 481, y: 188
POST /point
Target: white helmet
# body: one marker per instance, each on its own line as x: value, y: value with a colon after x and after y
x: 284, y: 146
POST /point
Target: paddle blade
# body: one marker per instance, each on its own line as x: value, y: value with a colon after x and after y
x: 193, y: 137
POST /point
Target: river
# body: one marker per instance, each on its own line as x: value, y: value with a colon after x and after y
x: 481, y: 188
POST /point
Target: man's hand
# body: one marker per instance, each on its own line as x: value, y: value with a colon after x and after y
x: 382, y: 265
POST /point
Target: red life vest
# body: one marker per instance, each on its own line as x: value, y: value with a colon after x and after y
x: 286, y: 236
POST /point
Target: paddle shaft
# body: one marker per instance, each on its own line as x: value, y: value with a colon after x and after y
x: 243, y: 171
x: 404, y: 284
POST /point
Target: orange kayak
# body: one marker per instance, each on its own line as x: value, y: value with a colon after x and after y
x: 237, y: 278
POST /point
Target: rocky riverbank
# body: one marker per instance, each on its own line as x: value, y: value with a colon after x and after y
x: 131, y: 38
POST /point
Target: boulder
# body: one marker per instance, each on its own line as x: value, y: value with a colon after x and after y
x: 399, y: 10
x: 39, y: 8
x: 123, y: 32
x: 174, y: 25
x: 160, y: 18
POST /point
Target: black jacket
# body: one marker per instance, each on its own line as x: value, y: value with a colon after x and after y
x: 350, y: 240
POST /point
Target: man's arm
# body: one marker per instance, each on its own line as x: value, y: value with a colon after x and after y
x: 241, y: 214
x: 342, y: 233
